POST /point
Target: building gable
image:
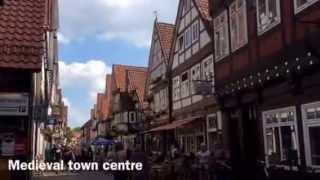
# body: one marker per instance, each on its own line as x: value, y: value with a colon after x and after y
x: 192, y: 30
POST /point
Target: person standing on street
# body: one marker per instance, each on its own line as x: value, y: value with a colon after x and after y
x: 203, y: 160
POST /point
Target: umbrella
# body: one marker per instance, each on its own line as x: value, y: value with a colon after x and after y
x: 102, y: 141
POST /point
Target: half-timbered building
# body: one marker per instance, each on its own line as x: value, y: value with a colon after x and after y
x: 192, y: 64
x: 157, y: 86
x: 128, y: 87
x: 266, y: 73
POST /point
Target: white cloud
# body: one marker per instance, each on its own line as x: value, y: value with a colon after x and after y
x: 129, y: 20
x: 86, y: 78
x: 63, y: 39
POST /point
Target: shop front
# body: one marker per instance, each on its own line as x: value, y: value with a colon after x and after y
x: 14, y: 132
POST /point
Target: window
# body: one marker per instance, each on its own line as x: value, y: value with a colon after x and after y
x: 195, y: 76
x: 185, y: 85
x: 176, y: 88
x: 132, y: 116
x: 238, y: 24
x: 268, y: 14
x: 181, y: 43
x: 221, y: 36
x: 156, y: 102
x: 207, y: 68
x: 311, y: 128
x: 300, y: 5
x: 281, y: 136
x: 214, y: 129
x: 195, y: 31
x: 188, y: 37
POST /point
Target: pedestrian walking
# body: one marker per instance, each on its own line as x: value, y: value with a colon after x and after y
x: 203, y: 161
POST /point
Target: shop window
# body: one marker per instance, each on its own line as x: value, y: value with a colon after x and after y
x: 221, y: 36
x: 300, y: 5
x: 311, y: 128
x: 238, y: 24
x: 268, y: 14
x: 185, y: 85
x: 281, y: 137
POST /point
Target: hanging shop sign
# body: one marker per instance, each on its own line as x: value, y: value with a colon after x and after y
x: 56, y: 111
x: 14, y: 104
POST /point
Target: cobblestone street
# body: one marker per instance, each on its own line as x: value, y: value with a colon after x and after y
x: 76, y: 176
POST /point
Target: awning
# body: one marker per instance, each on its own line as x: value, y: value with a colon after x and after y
x: 174, y: 124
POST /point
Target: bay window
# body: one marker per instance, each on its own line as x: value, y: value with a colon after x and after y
x: 281, y: 136
x: 300, y: 5
x: 176, y: 88
x: 221, y: 36
x: 311, y: 128
x: 195, y: 76
x: 268, y: 14
x: 238, y: 24
x: 185, y: 85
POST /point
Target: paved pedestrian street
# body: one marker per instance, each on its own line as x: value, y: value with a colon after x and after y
x: 75, y: 176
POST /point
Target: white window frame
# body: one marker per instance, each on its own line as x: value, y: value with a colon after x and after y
x: 134, y: 115
x: 188, y: 37
x: 218, y: 129
x: 176, y: 88
x: 268, y: 25
x: 219, y: 28
x: 195, y: 77
x: 195, y: 31
x: 181, y: 45
x: 185, y: 85
x: 308, y: 123
x: 279, y: 125
x: 235, y: 34
x: 209, y: 70
x: 304, y: 6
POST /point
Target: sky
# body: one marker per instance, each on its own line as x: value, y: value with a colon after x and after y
x: 94, y: 35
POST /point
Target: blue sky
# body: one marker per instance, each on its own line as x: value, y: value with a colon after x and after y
x: 95, y: 34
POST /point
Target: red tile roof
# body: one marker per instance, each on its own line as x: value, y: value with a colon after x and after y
x: 129, y: 78
x: 136, y: 81
x: 22, y: 31
x: 119, y: 73
x: 165, y: 32
x: 203, y: 6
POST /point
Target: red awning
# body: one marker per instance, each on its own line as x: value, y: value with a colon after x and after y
x: 174, y: 124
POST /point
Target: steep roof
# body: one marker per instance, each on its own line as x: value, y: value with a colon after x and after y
x: 165, y: 32
x: 22, y: 28
x: 119, y: 73
x: 203, y: 6
x: 136, y: 81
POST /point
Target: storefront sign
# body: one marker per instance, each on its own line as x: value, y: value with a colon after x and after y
x: 14, y: 104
